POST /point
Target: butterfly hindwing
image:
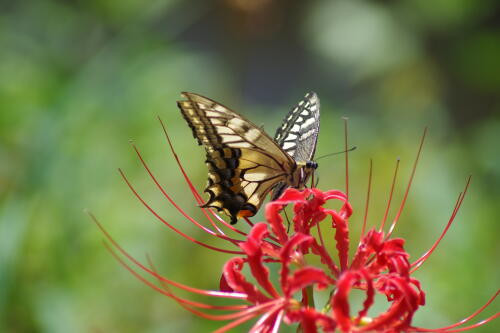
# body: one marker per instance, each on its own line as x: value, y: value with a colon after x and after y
x: 244, y: 162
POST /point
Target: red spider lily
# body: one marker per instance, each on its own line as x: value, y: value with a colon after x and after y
x: 380, y: 265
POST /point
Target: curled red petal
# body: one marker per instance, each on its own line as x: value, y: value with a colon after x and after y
x: 341, y: 237
x: 391, y: 256
x: 223, y: 285
x: 286, y: 256
x: 370, y: 296
x: 237, y: 281
x: 274, y: 218
x: 312, y: 319
x: 346, y: 210
x: 335, y: 194
x: 253, y: 249
x: 369, y: 244
x: 309, y: 213
x: 417, y: 284
x: 405, y: 300
x: 340, y: 301
x: 292, y: 195
x: 307, y: 276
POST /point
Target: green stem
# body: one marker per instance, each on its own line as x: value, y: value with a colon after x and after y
x: 310, y: 296
x: 310, y: 303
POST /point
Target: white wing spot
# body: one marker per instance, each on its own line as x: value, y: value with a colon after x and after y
x: 309, y: 122
x: 239, y: 144
x: 252, y: 135
x: 307, y: 134
x: 220, y: 108
x: 255, y: 176
x: 212, y: 114
x: 236, y: 124
x: 288, y: 145
x: 224, y: 130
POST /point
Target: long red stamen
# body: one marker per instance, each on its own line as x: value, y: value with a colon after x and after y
x: 278, y: 321
x: 195, y: 193
x: 396, y: 219
x: 152, y: 273
x: 465, y: 320
x: 186, y: 304
x: 346, y: 151
x: 391, y: 193
x: 165, y: 194
x: 252, y: 312
x: 193, y: 303
x: 427, y: 254
x: 367, y: 199
x: 257, y: 327
x: 476, y: 325
x: 247, y: 220
x: 171, y: 226
x: 181, y: 167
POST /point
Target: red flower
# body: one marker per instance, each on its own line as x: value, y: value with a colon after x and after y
x: 379, y: 265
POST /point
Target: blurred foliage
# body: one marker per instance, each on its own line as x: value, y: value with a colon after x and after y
x: 78, y: 79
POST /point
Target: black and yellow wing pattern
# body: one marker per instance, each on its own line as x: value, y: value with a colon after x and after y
x: 244, y: 163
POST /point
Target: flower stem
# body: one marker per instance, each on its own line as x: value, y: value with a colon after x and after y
x: 309, y: 291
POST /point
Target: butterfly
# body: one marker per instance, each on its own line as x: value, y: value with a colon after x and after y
x: 244, y: 163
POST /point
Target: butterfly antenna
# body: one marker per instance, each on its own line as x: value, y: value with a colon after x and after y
x: 338, y: 153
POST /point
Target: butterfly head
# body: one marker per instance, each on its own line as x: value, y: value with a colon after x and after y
x: 303, y: 172
x: 311, y: 165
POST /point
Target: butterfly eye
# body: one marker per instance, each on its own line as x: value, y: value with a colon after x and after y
x: 311, y: 165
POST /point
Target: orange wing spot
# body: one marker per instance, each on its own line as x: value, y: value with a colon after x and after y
x: 235, y: 188
x: 245, y: 213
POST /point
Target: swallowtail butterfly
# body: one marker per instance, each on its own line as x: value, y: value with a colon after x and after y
x: 244, y: 163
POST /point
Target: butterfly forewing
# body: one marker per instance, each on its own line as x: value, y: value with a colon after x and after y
x: 244, y: 162
x: 299, y: 131
x: 298, y: 134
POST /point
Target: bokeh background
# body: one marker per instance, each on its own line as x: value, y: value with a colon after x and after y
x: 79, y: 79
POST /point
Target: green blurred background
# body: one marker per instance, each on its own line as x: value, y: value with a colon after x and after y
x: 78, y: 79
